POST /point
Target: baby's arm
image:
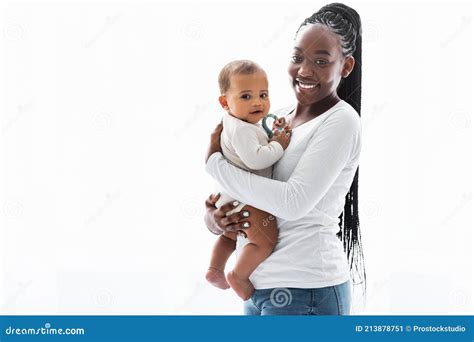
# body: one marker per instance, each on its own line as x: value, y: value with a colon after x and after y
x: 253, y: 154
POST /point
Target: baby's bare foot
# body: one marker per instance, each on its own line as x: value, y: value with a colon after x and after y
x: 217, y: 278
x: 243, y: 287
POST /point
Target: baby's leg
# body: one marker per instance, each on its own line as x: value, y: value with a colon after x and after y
x: 221, y: 252
x: 262, y: 240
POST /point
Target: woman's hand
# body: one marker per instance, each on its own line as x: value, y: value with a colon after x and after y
x: 217, y: 221
x: 215, y: 145
x: 248, y: 218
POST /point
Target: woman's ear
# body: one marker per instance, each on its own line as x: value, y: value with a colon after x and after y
x: 348, y: 66
x: 223, y: 102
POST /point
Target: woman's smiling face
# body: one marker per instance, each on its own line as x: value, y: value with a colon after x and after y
x: 317, y: 64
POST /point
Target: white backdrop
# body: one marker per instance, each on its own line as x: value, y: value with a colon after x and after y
x: 106, y: 115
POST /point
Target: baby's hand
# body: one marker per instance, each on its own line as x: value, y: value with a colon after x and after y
x: 283, y: 137
x: 280, y: 123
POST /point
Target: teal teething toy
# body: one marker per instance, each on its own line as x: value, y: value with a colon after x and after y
x: 265, y: 126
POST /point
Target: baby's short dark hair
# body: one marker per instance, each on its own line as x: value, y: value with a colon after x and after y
x: 239, y: 67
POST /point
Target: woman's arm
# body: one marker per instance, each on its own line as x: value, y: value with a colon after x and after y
x: 326, y: 155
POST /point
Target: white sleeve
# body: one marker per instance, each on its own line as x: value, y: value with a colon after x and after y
x: 328, y: 152
x: 253, y: 154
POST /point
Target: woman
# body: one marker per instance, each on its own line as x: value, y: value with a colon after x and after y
x: 308, y: 271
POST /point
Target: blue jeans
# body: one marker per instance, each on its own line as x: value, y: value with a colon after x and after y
x: 331, y: 300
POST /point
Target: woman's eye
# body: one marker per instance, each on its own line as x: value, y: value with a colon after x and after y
x: 320, y: 62
x: 296, y: 59
x: 245, y: 97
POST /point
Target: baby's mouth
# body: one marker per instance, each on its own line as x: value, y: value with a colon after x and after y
x: 257, y: 112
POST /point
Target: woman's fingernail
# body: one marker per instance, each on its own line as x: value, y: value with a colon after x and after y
x: 236, y: 203
x: 246, y: 214
x: 246, y: 225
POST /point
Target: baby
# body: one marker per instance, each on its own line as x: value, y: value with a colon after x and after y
x: 244, y: 96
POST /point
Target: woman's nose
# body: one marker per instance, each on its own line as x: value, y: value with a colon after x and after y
x: 306, y: 70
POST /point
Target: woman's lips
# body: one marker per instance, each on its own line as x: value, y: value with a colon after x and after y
x: 306, y: 85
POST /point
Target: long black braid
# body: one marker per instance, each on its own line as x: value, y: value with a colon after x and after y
x: 345, y: 22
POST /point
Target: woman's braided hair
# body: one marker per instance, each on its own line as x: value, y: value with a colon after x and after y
x: 345, y: 22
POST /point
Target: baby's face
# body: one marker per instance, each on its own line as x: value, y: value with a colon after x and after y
x: 247, y: 97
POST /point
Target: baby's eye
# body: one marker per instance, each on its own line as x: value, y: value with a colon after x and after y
x: 264, y: 96
x: 296, y: 59
x: 245, y: 97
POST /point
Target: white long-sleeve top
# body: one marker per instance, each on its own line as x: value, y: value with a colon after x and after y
x: 246, y: 145
x: 307, y: 195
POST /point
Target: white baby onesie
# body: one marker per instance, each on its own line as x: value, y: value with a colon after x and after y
x: 246, y: 145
